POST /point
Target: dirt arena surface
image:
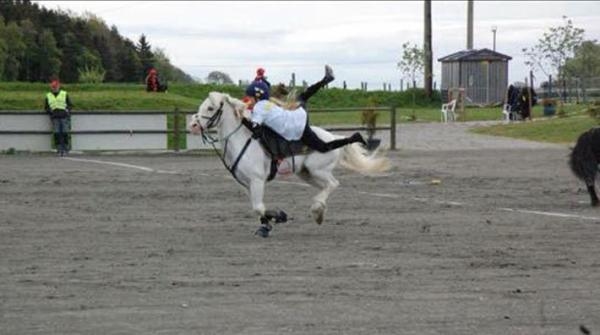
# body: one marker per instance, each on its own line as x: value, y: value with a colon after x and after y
x: 506, y: 243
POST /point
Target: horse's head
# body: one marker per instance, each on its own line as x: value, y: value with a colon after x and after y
x: 210, y: 112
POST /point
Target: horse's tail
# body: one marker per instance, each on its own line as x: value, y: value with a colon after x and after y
x: 582, y: 160
x: 356, y: 158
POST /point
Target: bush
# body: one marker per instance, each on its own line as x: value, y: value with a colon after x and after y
x: 593, y: 110
x: 91, y: 75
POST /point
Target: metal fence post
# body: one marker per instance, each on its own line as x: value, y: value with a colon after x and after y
x: 393, y: 128
x: 176, y: 130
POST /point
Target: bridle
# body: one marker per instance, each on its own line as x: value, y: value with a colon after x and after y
x: 213, y: 121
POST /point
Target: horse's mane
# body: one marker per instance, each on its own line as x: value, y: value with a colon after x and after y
x: 283, y: 97
x: 239, y: 107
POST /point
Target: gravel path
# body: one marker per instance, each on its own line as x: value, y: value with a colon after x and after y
x: 455, y: 136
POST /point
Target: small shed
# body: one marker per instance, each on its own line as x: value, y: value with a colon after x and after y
x: 483, y: 74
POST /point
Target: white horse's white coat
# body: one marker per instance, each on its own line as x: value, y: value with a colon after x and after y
x: 254, y: 166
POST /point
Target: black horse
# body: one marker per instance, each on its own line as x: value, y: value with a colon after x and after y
x: 584, y: 160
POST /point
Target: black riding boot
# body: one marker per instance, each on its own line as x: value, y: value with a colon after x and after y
x: 312, y: 89
x: 320, y: 146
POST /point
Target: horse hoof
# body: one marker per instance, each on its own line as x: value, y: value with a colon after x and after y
x: 281, y: 217
x: 263, y: 231
x: 318, y: 214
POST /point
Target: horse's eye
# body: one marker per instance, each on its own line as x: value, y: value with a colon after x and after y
x: 210, y: 109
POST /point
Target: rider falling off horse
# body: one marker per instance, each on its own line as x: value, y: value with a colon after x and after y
x: 291, y: 124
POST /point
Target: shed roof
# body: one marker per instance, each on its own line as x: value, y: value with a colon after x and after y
x: 475, y: 55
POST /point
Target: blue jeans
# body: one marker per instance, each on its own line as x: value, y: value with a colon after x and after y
x: 61, y: 133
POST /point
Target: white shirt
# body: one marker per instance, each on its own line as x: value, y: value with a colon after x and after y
x: 287, y: 123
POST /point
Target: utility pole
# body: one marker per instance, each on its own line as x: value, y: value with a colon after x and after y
x: 494, y: 29
x: 427, y: 49
x: 469, y: 24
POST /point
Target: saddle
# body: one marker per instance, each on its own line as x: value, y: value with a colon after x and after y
x: 279, y: 148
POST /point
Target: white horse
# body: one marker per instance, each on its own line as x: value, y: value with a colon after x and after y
x: 250, y: 165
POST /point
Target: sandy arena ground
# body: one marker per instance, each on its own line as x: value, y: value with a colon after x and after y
x: 506, y: 244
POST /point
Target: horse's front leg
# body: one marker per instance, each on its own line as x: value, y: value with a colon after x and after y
x: 257, y: 190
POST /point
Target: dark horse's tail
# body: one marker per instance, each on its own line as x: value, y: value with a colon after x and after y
x: 584, y: 160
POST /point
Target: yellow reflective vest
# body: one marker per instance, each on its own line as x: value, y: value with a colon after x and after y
x: 57, y: 102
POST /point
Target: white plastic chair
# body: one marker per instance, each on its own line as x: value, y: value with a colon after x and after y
x: 448, y: 111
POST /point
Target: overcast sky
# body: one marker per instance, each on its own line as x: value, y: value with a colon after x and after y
x: 361, y: 40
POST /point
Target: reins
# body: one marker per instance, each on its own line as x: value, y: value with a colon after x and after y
x: 206, y: 138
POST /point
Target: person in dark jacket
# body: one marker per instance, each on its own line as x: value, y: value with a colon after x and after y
x: 260, y: 77
x: 58, y: 106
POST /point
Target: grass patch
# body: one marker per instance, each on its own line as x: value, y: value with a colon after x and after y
x: 100, y: 100
x: 554, y: 130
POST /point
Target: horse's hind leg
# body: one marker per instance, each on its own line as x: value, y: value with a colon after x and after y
x: 326, y: 182
x: 592, y: 191
x: 593, y: 195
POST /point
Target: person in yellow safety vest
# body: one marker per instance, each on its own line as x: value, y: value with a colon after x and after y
x: 58, y: 106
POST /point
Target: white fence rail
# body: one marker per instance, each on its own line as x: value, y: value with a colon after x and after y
x: 131, y: 130
x: 31, y: 131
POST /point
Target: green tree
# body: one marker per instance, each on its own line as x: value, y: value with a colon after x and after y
x: 129, y: 62
x: 49, y: 56
x: 412, y: 63
x: 586, y: 61
x: 71, y: 57
x: 145, y: 53
x: 168, y: 71
x: 218, y: 77
x: 14, y: 52
x: 3, y: 46
x: 89, y: 58
x: 162, y: 64
x: 29, y: 66
x: 34, y: 40
x: 557, y: 45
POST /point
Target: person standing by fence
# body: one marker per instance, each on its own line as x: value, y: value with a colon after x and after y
x: 58, y: 106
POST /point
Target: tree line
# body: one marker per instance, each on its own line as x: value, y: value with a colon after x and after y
x: 37, y: 44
